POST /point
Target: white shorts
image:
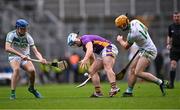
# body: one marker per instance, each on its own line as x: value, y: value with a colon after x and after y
x: 151, y: 55
x: 110, y: 50
x: 18, y: 59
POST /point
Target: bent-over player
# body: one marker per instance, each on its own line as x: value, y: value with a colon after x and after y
x: 95, y: 44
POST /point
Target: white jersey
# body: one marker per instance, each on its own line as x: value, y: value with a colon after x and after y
x: 139, y: 34
x: 21, y: 44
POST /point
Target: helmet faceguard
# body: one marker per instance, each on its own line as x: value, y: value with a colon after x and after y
x: 122, y: 22
x: 71, y: 39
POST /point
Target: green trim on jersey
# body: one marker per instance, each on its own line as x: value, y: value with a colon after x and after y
x: 144, y: 28
x: 129, y: 40
x: 143, y: 34
x: 128, y: 37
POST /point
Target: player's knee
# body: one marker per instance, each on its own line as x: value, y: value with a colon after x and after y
x: 173, y: 64
x: 31, y: 71
x: 95, y: 77
x: 137, y: 73
x: 108, y: 70
x: 91, y: 70
x: 173, y: 68
x: 16, y: 70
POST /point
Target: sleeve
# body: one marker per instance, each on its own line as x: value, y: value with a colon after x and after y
x: 30, y: 40
x: 85, y: 39
x: 9, y: 37
x: 169, y: 31
x: 129, y: 38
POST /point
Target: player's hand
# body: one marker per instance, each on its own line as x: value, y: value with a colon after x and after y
x: 83, y: 64
x: 119, y: 38
x: 168, y: 46
x: 43, y: 61
x: 24, y: 57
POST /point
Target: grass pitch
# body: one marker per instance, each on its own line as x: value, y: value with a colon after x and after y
x: 66, y: 96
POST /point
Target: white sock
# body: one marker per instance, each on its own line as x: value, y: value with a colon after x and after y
x: 129, y: 90
x: 158, y: 81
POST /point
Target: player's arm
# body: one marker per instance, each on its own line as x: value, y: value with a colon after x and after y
x: 9, y: 49
x: 88, y: 54
x: 34, y: 49
x: 123, y: 43
x: 38, y: 55
x: 92, y: 58
x: 169, y: 42
x: 169, y: 38
x: 89, y: 51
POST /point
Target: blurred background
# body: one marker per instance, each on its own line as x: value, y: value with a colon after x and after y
x: 52, y: 20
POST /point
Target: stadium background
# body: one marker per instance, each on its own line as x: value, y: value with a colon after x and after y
x: 52, y: 20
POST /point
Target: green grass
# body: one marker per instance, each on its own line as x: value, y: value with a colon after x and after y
x: 64, y: 96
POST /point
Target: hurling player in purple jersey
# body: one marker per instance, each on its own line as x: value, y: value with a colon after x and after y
x: 94, y: 44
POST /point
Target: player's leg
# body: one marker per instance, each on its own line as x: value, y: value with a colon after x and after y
x: 142, y: 63
x: 94, y: 68
x: 29, y: 68
x: 174, y: 56
x: 172, y: 74
x: 131, y: 78
x: 15, y: 65
x: 108, y: 63
x: 109, y: 55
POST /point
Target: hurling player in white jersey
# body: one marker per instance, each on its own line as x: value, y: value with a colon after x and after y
x: 18, y: 45
x: 138, y: 33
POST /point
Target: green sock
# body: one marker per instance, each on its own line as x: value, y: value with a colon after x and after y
x: 31, y: 86
x: 12, y: 91
x: 129, y: 90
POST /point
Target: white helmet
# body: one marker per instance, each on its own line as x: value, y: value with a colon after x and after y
x: 71, y: 39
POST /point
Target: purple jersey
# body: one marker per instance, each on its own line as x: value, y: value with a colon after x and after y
x: 98, y: 42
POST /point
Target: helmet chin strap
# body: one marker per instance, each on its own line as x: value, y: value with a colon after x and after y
x: 126, y: 27
x: 21, y: 35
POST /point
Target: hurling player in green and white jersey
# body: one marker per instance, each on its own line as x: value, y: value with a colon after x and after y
x: 138, y: 33
x: 18, y: 45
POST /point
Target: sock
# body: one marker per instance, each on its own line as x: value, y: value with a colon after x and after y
x: 98, y: 89
x: 172, y: 76
x: 129, y: 90
x: 31, y: 86
x: 113, y: 85
x: 158, y: 81
x: 12, y: 91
